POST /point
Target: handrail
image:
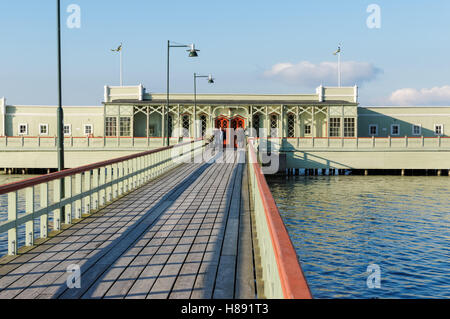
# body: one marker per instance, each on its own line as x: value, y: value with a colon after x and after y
x: 15, y: 186
x: 293, y: 282
x: 95, y: 185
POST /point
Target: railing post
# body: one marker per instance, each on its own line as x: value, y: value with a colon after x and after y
x: 115, y: 175
x: 68, y: 195
x: 120, y: 184
x: 406, y: 141
x: 87, y: 188
x: 109, y: 189
x: 29, y: 225
x: 102, y: 193
x: 373, y: 141
x: 133, y: 179
x: 56, y: 199
x: 439, y: 141
x: 12, y: 216
x: 78, y: 191
x: 95, y: 195
x: 390, y: 141
x: 126, y: 182
x: 44, y: 204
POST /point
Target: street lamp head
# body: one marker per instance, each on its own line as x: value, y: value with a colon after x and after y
x: 210, y: 79
x: 193, y: 51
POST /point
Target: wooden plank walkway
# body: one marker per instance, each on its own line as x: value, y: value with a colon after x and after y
x: 184, y: 235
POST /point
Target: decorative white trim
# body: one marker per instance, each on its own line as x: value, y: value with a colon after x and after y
x: 377, y: 131
x: 43, y: 125
x: 106, y: 94
x: 401, y: 115
x: 52, y: 115
x: 319, y: 91
x: 356, y: 94
x: 141, y: 92
x: 3, y: 115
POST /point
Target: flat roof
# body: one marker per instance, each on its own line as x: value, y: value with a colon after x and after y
x: 231, y: 102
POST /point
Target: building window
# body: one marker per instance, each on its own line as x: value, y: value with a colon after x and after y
x: 373, y: 130
x: 438, y: 129
x: 273, y: 125
x: 125, y: 126
x: 349, y: 127
x: 111, y: 126
x: 204, y: 124
x: 335, y: 127
x: 186, y: 125
x: 88, y: 129
x: 307, y: 129
x: 395, y: 130
x: 23, y: 129
x: 67, y: 129
x: 291, y: 125
x: 256, y: 124
x: 43, y: 129
x: 417, y: 129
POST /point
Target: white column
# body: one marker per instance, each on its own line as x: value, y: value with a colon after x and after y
x: 3, y: 116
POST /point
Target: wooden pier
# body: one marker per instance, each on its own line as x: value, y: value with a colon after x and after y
x: 187, y: 233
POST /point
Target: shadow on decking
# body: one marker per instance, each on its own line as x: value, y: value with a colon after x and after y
x: 89, y: 266
x: 209, y: 273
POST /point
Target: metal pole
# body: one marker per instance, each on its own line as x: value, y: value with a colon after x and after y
x: 121, y: 67
x: 167, y: 106
x: 339, y: 69
x: 60, y: 112
x: 195, y: 106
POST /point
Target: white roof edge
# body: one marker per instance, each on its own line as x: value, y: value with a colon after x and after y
x: 236, y: 94
x: 406, y: 106
x: 55, y: 106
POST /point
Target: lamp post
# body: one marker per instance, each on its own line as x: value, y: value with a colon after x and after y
x: 192, y: 54
x: 210, y: 81
x: 59, y: 112
x: 60, y: 121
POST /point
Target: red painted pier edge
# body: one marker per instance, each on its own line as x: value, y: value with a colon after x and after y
x: 292, y: 279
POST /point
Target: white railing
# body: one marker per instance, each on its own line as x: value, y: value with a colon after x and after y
x: 368, y: 143
x: 95, y: 186
x: 44, y: 142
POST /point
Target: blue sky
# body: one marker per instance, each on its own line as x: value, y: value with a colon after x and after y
x: 241, y: 44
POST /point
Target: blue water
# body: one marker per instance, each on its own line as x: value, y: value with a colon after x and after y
x: 340, y: 225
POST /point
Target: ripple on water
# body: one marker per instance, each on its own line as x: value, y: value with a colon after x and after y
x: 341, y: 225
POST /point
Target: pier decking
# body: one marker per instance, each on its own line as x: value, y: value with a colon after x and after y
x: 186, y: 234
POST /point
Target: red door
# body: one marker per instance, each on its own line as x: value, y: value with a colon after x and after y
x: 237, y: 123
x: 223, y: 124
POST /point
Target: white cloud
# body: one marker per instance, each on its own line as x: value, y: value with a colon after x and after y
x: 433, y: 96
x: 312, y: 75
